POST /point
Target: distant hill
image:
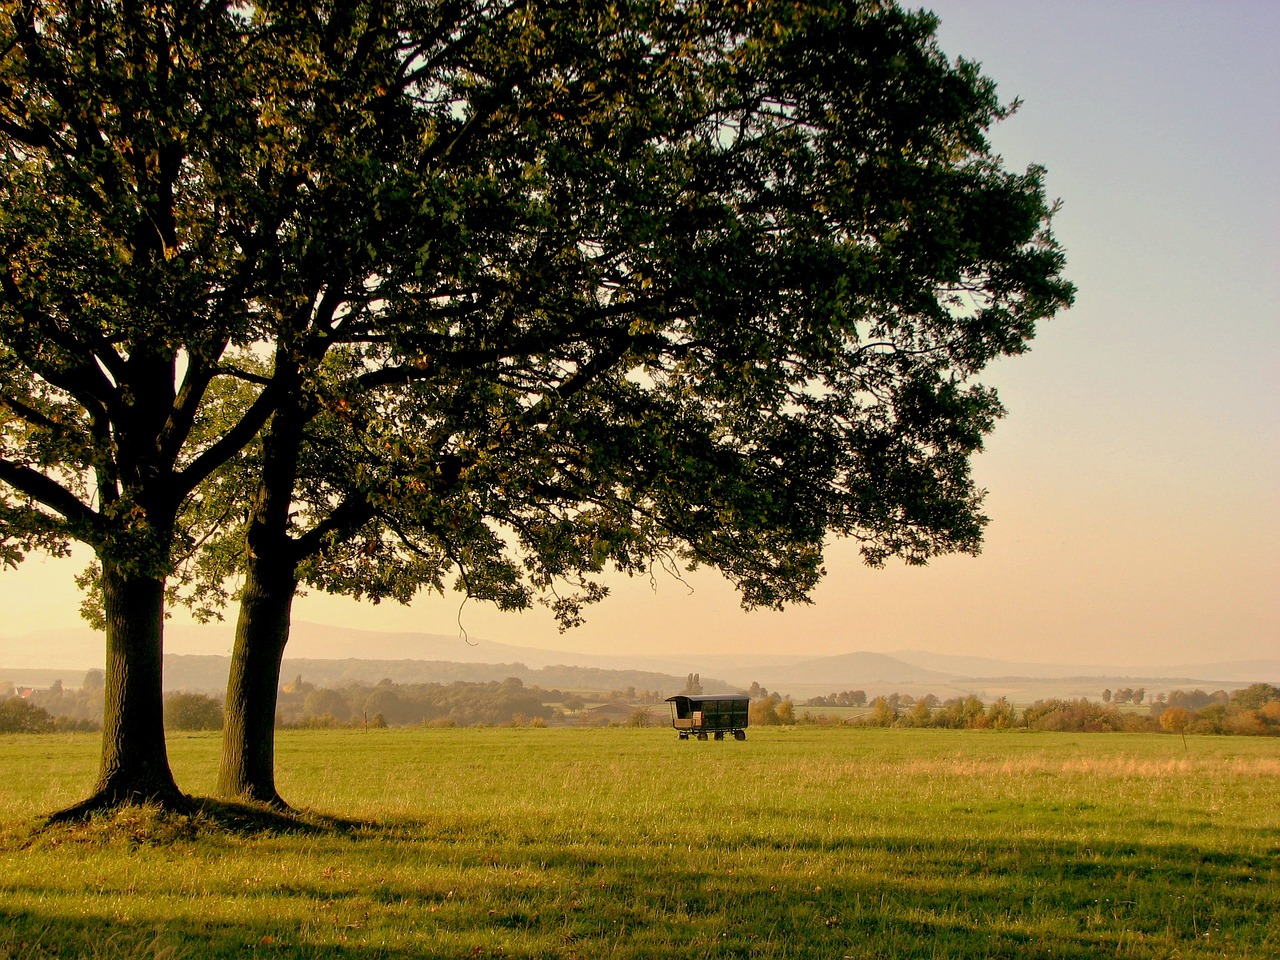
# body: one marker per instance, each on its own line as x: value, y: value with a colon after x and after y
x: 208, y: 674
x: 860, y: 667
x: 409, y: 657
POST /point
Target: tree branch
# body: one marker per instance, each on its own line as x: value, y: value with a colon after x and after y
x: 50, y: 493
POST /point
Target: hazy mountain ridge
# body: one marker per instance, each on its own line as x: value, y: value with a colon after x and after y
x: 208, y: 674
x: 417, y: 656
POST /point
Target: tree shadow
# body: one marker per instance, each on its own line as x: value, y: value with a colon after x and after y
x: 155, y: 824
x: 1020, y: 899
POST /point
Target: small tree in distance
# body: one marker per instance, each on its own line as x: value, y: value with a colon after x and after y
x: 1176, y: 720
x: 192, y: 711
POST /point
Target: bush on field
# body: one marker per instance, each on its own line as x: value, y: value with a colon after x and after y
x: 19, y: 716
x: 771, y: 711
x: 192, y: 711
x: 882, y: 714
x: 961, y: 713
x: 1078, y: 716
x: 641, y: 717
x: 1253, y: 711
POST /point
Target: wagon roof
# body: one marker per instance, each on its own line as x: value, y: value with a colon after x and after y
x: 707, y: 697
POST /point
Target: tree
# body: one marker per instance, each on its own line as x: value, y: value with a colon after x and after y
x: 786, y: 712
x: 1176, y: 720
x: 1255, y: 696
x: 192, y: 711
x: 920, y: 715
x: 327, y: 702
x: 19, y: 716
x: 657, y: 232
x: 1000, y: 714
x: 387, y: 298
x: 144, y: 211
x: 881, y: 715
x: 764, y: 712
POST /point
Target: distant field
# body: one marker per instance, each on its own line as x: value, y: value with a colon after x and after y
x: 798, y: 843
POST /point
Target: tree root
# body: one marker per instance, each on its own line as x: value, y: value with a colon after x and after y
x: 145, y: 820
x: 107, y: 801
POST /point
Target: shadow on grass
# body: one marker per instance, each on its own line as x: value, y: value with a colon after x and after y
x: 156, y: 825
x: 26, y: 936
x: 475, y: 894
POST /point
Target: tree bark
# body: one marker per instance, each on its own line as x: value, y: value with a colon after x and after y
x: 135, y: 762
x: 247, y: 770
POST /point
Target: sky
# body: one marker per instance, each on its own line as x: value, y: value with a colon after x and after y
x: 1134, y: 486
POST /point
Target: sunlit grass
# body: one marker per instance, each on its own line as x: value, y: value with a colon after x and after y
x: 589, y: 843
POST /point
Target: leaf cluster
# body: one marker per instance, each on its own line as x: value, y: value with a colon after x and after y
x: 498, y: 297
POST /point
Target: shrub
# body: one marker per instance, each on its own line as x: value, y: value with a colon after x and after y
x: 1077, y: 716
x: 641, y: 717
x: 326, y: 702
x: 764, y: 713
x: 881, y: 715
x: 19, y: 716
x: 1001, y: 715
x: 192, y: 711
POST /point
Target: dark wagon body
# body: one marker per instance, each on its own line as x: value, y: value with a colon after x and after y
x: 702, y: 714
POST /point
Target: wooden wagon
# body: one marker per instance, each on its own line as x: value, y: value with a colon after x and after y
x: 715, y: 714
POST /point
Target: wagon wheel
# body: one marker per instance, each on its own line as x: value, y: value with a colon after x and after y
x: 702, y: 735
x: 719, y: 734
x: 739, y: 734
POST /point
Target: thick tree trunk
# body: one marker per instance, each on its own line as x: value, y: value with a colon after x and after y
x: 248, y: 734
x: 135, y: 762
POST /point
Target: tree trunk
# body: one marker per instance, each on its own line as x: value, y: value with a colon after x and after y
x: 262, y: 628
x: 248, y: 734
x: 135, y: 762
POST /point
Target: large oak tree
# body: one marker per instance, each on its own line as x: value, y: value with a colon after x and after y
x: 390, y: 296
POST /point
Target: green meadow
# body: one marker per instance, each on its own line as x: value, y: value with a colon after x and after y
x: 561, y: 843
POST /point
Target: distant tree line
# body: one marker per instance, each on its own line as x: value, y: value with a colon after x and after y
x: 846, y: 698
x: 1253, y: 711
x: 52, y: 709
x: 1124, y: 695
x: 387, y: 703
x: 303, y: 704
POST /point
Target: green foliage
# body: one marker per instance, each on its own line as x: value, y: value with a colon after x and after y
x: 72, y: 709
x: 413, y: 704
x: 1215, y: 714
x: 19, y: 716
x: 1255, y: 696
x: 326, y: 702
x: 192, y: 711
x: 846, y: 698
x: 882, y: 714
x: 518, y: 292
x: 495, y: 298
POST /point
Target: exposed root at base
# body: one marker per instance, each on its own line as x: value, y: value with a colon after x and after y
x: 152, y: 822
x: 109, y: 801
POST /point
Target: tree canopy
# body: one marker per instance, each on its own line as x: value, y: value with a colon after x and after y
x: 493, y: 296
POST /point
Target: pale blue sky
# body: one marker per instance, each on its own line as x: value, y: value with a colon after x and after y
x: 1134, y: 490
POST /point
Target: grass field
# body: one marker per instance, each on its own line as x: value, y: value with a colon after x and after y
x: 821, y: 843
